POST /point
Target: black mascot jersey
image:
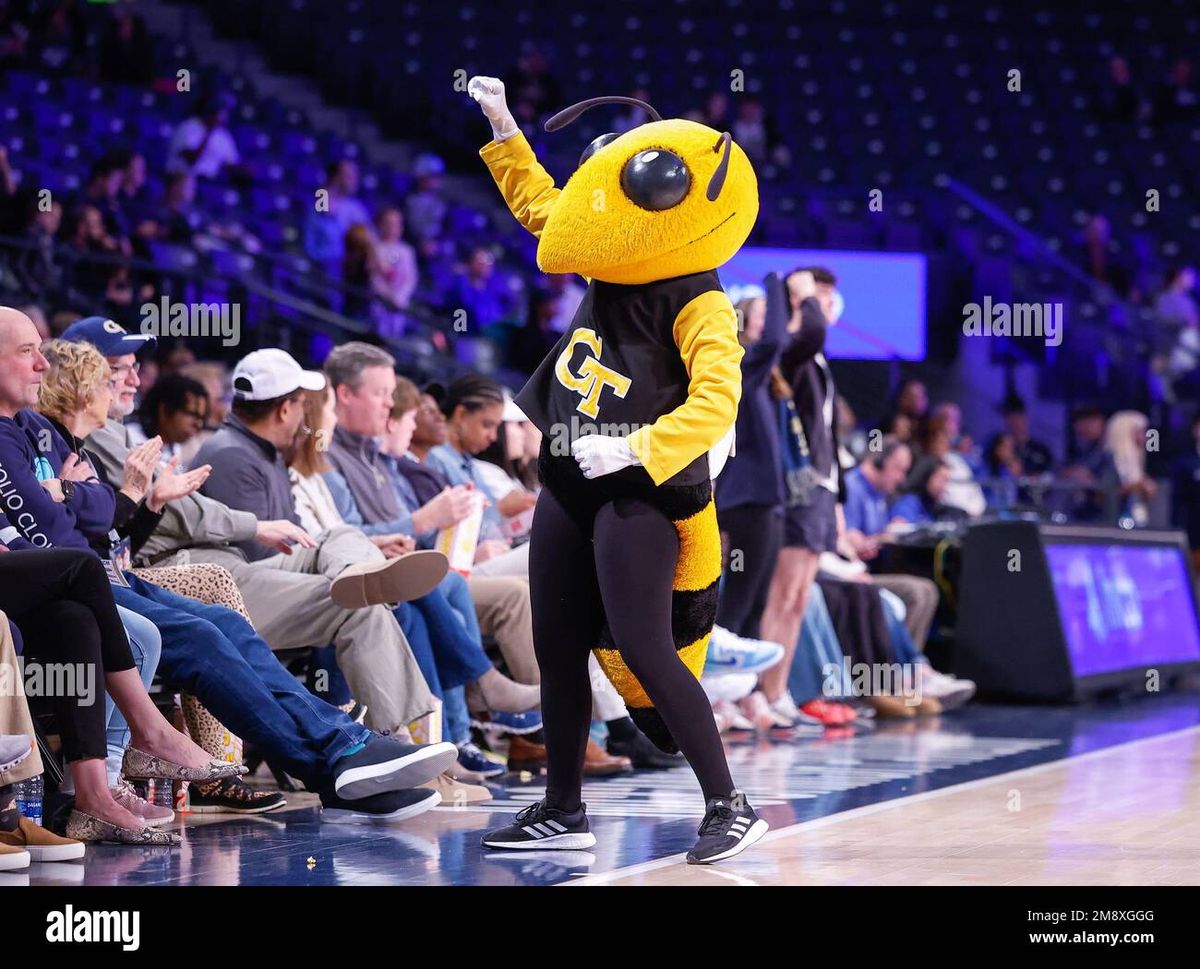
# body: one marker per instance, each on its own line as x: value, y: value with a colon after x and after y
x: 617, y: 368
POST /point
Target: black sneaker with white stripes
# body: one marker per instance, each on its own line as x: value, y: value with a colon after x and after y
x: 539, y: 826
x: 730, y: 826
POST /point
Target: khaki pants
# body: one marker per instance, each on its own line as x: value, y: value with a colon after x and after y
x: 920, y: 600
x: 502, y: 607
x: 287, y: 597
x: 14, y: 711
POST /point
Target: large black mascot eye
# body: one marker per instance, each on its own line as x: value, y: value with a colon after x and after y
x: 596, y: 145
x: 655, y: 179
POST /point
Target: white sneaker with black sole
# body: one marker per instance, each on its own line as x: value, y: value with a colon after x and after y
x: 541, y: 827
x: 730, y: 826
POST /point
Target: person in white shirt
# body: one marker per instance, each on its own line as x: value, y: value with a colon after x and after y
x: 202, y: 145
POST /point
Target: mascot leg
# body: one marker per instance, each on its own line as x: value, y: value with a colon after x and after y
x: 637, y: 549
x: 567, y: 618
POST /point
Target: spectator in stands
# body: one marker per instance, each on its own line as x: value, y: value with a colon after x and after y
x: 909, y: 410
x: 936, y: 440
x: 103, y: 192
x: 1125, y: 441
x: 1175, y: 306
x: 870, y: 488
x: 134, y: 195
x: 202, y: 144
x: 923, y: 501
x: 39, y: 275
x: 961, y: 442
x: 474, y: 409
x: 1030, y: 457
x: 505, y: 469
x: 512, y: 457
x: 172, y: 219
x: 60, y: 37
x: 1185, y: 491
x: 125, y: 50
x: 1090, y: 465
x: 214, y: 378
x: 811, y: 493
x: 479, y: 291
x: 362, y: 272
x: 95, y: 274
x: 335, y: 211
x: 1180, y: 321
x: 749, y: 491
x: 397, y: 260
x: 754, y: 130
x: 425, y: 209
x: 175, y: 410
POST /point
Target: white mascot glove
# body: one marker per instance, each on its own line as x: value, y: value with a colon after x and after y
x: 598, y: 455
x: 489, y: 92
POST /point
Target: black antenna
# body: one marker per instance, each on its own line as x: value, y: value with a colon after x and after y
x: 567, y: 115
x: 717, y: 182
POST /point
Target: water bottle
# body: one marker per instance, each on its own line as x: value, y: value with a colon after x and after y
x: 29, y: 798
x: 164, y: 794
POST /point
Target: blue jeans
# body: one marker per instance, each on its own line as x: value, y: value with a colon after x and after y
x: 903, y: 647
x: 324, y: 666
x: 214, y: 653
x: 445, y: 650
x: 816, y: 671
x: 456, y: 717
x: 448, y: 617
x: 146, y: 645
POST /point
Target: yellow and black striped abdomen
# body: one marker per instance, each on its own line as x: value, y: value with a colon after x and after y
x: 693, y: 610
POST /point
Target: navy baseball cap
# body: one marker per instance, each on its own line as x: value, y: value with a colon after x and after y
x: 108, y: 336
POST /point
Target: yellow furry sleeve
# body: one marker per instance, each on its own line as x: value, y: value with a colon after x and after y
x: 527, y: 187
x: 706, y: 334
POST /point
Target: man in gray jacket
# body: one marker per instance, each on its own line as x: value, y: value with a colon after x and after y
x: 288, y: 595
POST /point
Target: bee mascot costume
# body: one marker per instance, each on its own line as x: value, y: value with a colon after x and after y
x: 637, y: 405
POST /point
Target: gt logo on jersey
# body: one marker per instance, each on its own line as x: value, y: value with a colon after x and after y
x: 592, y: 377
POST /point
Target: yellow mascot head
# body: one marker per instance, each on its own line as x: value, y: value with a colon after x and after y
x: 665, y: 199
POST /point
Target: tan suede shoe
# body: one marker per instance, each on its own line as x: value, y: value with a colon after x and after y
x: 40, y: 843
x: 401, y: 579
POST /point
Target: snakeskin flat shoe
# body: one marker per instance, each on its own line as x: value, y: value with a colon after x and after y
x: 138, y: 765
x: 93, y: 830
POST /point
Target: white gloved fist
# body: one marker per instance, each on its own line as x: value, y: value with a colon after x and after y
x: 598, y: 455
x: 489, y: 92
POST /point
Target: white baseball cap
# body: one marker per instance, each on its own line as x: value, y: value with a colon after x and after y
x: 268, y: 374
x: 511, y: 411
